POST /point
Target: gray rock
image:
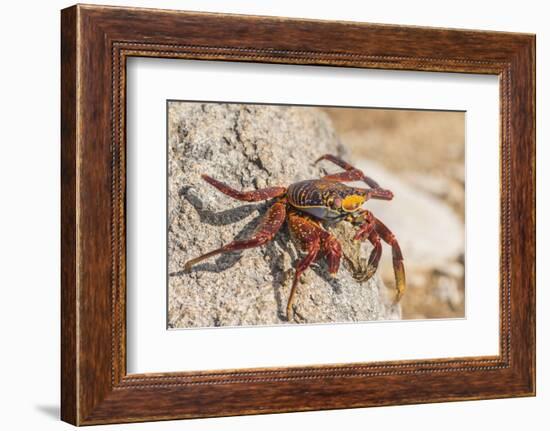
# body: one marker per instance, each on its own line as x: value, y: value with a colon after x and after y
x: 251, y: 147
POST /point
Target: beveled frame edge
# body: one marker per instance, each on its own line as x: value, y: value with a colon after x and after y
x: 96, y: 41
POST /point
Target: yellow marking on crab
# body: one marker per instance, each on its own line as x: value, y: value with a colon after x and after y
x: 352, y: 202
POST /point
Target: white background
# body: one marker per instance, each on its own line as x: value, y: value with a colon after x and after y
x: 29, y: 220
x: 151, y: 348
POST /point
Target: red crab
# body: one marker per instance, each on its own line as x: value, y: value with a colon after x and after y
x: 308, y: 206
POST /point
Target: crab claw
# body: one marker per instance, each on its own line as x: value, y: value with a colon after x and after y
x: 363, y: 233
x: 333, y: 253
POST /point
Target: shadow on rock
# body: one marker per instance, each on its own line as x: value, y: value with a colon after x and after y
x: 220, y: 218
x: 225, y: 260
x: 322, y: 271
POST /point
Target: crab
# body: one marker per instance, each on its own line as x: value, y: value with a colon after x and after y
x: 309, y: 207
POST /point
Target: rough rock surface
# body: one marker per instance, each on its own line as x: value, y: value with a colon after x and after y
x: 252, y: 147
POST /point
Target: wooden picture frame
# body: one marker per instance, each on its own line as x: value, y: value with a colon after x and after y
x: 95, y: 43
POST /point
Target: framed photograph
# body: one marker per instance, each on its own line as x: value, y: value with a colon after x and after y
x: 264, y: 214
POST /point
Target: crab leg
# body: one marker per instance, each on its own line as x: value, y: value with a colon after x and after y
x: 375, y: 254
x: 312, y: 251
x: 398, y: 268
x: 250, y: 196
x: 366, y: 222
x: 373, y: 229
x: 367, y: 225
x: 306, y: 233
x: 313, y: 239
x: 268, y: 227
x: 353, y: 174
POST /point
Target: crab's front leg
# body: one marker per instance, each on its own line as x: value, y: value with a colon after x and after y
x: 366, y: 222
x: 373, y: 229
x: 351, y: 173
x: 314, y: 240
x: 306, y: 234
x: 398, y: 267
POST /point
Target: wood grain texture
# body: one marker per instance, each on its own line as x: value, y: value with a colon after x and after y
x: 96, y: 41
x: 69, y: 397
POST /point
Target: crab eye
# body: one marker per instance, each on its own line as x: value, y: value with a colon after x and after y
x: 336, y: 203
x: 352, y: 202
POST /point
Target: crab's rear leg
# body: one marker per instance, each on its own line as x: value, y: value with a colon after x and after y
x: 266, y: 230
x: 248, y: 196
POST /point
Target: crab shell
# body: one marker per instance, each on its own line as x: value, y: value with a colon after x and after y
x: 326, y: 200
